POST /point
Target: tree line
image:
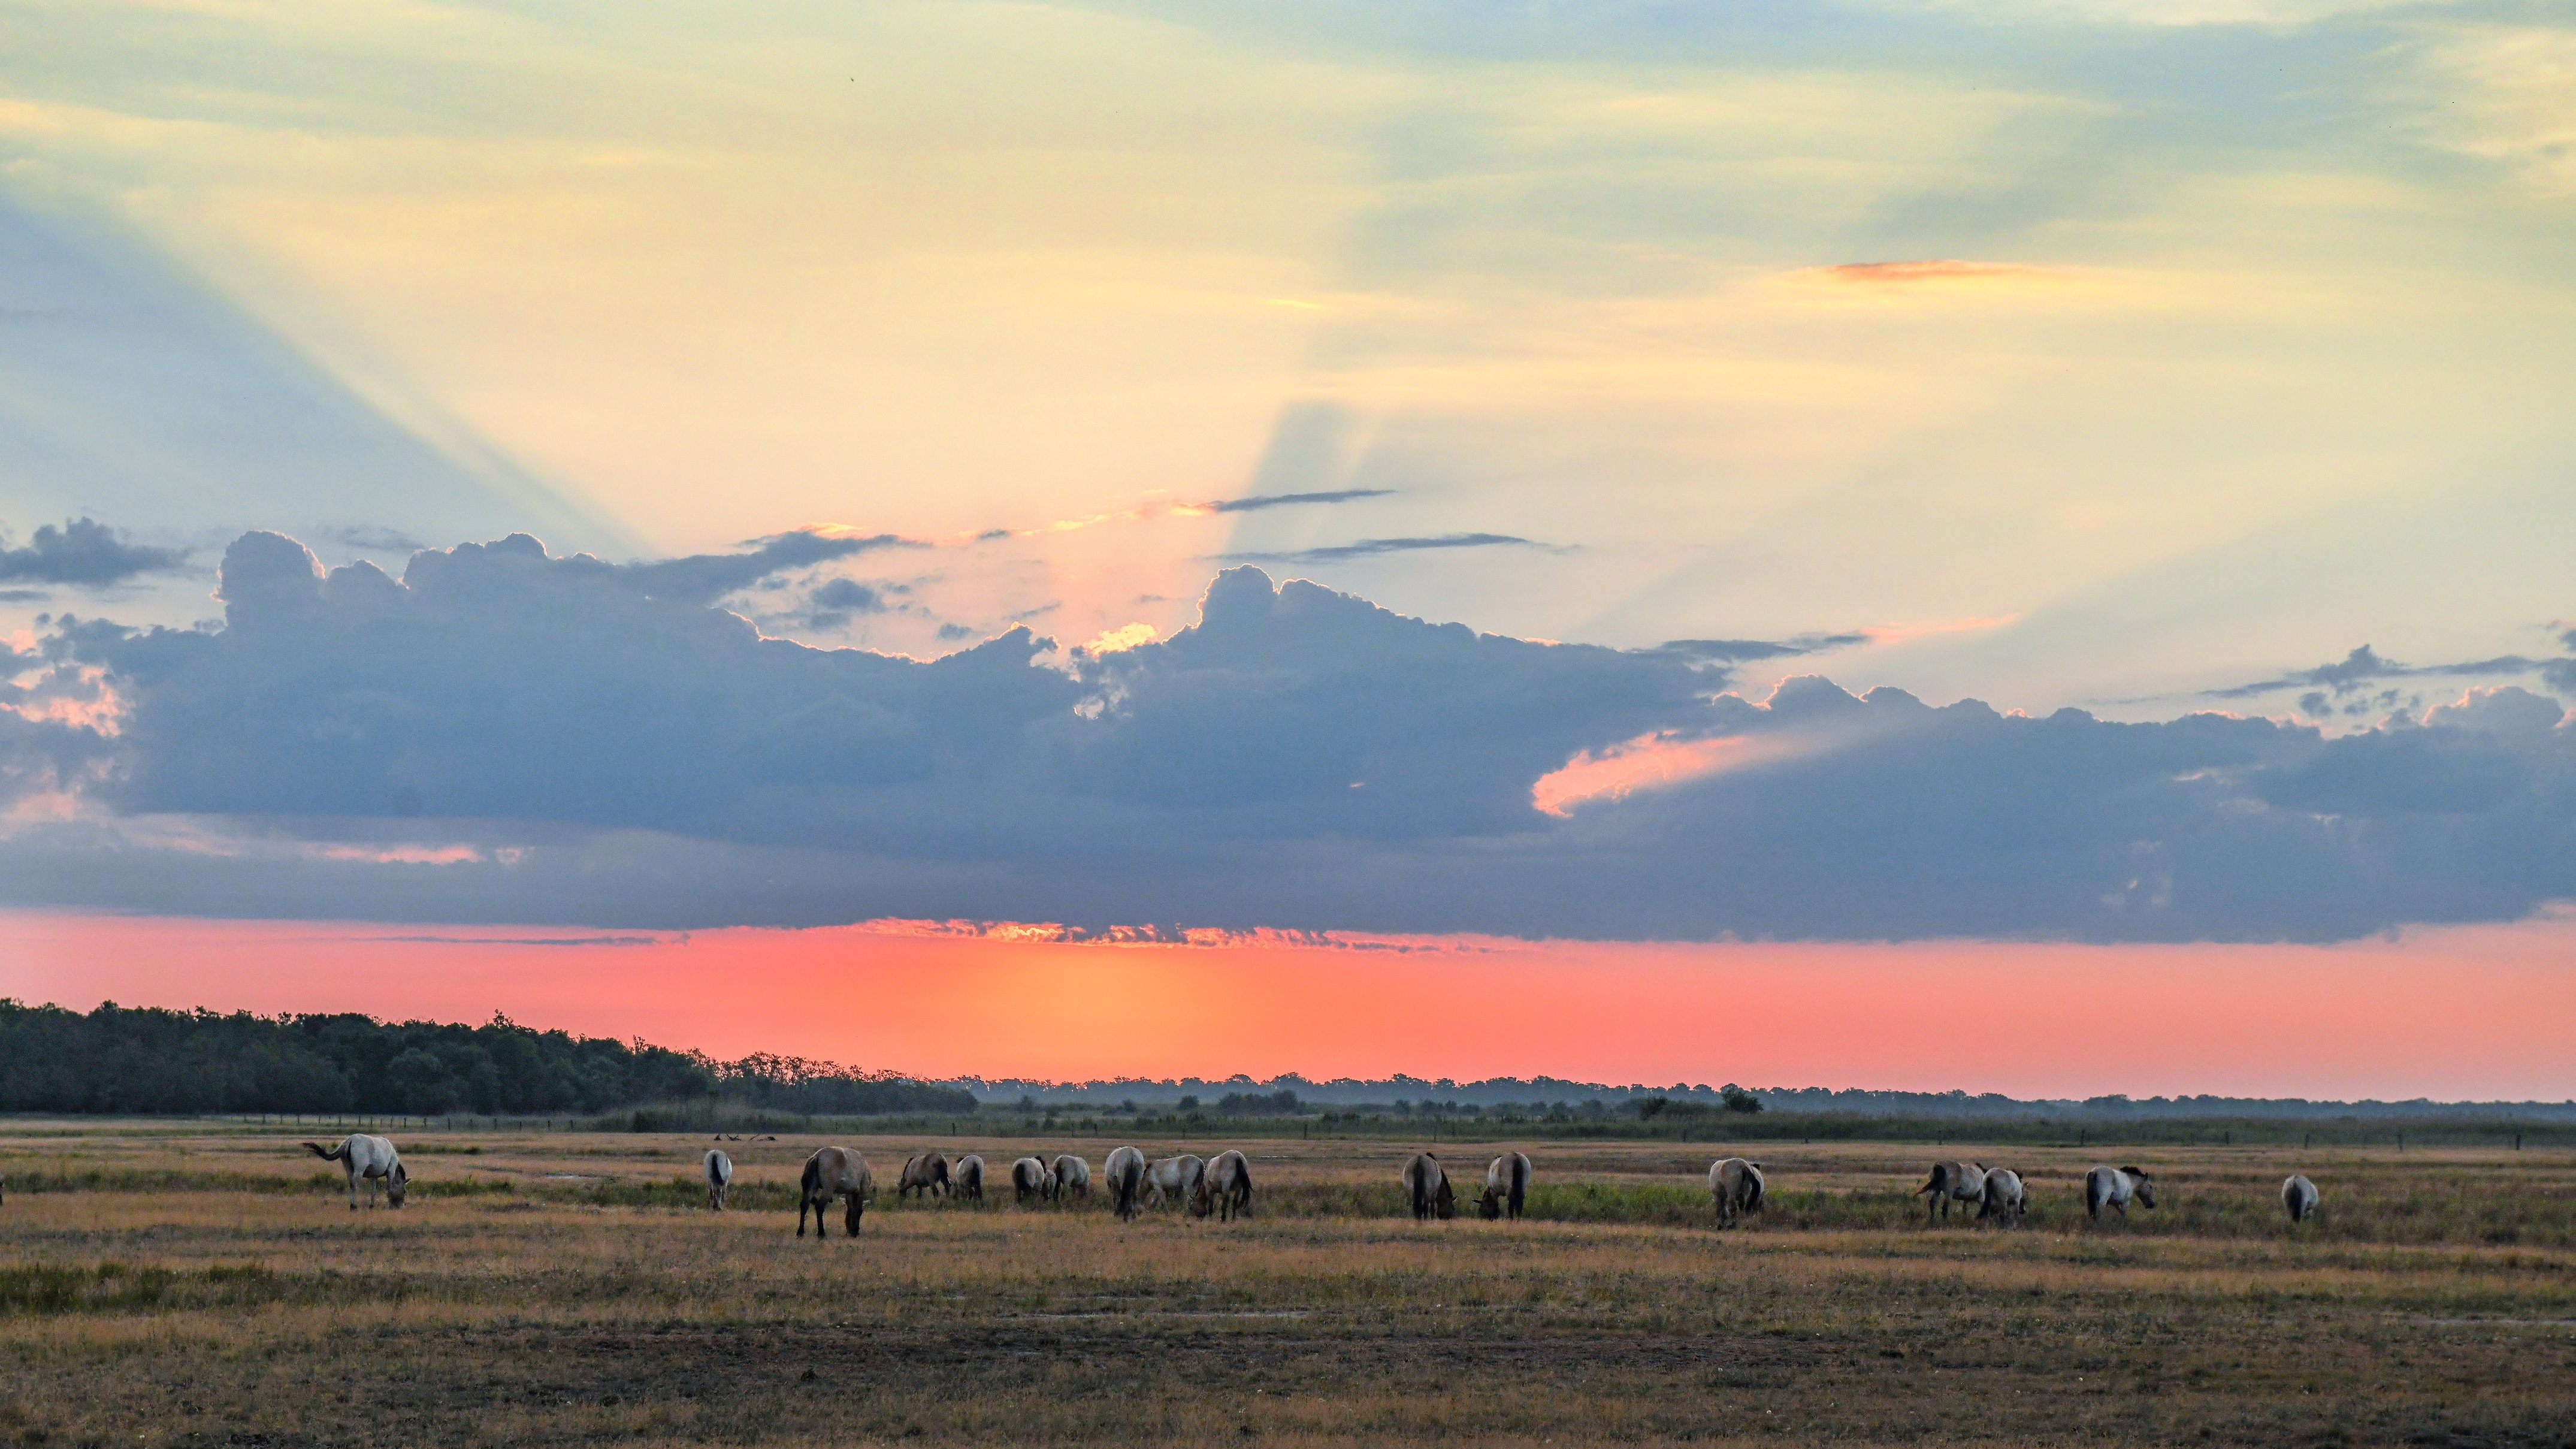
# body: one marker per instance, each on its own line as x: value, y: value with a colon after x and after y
x: 156, y: 1062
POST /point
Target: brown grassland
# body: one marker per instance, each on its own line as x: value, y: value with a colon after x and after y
x: 199, y: 1284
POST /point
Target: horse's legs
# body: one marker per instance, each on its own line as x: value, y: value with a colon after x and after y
x: 850, y: 1220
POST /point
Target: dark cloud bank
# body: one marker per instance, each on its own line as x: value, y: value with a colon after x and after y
x: 616, y: 752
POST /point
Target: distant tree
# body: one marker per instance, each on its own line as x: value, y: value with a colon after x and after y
x: 1188, y: 1104
x: 1652, y: 1108
x: 1739, y: 1100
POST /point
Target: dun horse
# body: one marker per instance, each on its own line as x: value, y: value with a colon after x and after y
x: 1072, y: 1177
x: 1952, y: 1182
x: 1506, y: 1187
x: 370, y: 1158
x: 926, y: 1174
x: 1225, y: 1188
x: 2299, y: 1197
x: 833, y: 1172
x: 1125, y: 1171
x: 1736, y: 1186
x: 2004, y: 1196
x: 1030, y: 1179
x: 719, y: 1177
x: 2112, y: 1187
x: 1173, y: 1179
x: 966, y: 1179
x: 1427, y: 1184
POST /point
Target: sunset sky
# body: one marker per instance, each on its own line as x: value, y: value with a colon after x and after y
x: 1640, y: 541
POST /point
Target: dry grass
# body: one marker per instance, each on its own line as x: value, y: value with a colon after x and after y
x: 562, y: 1289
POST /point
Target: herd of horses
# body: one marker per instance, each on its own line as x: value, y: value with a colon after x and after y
x: 1221, y: 1186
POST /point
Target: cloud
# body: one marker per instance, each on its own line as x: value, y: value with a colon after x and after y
x: 1259, y: 501
x: 1745, y: 651
x: 836, y: 601
x: 504, y: 736
x: 706, y: 577
x: 1941, y: 269
x: 2364, y: 666
x: 86, y: 554
x: 1372, y: 547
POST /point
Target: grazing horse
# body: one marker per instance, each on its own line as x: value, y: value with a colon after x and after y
x: 1030, y: 1179
x: 2299, y: 1196
x: 371, y: 1158
x: 1506, y: 1187
x: 966, y: 1179
x: 1427, y: 1183
x: 2112, y: 1187
x: 926, y: 1174
x: 1073, y: 1175
x: 719, y: 1177
x: 1125, y: 1171
x: 1173, y: 1179
x: 2004, y: 1197
x: 1952, y: 1182
x: 1736, y: 1186
x: 1225, y: 1188
x: 833, y: 1172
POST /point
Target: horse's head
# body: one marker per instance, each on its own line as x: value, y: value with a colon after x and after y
x: 397, y: 1183
x: 1444, y: 1203
x: 2141, y: 1185
x: 1489, y: 1205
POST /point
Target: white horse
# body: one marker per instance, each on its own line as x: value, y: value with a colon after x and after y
x: 1030, y: 1179
x: 1072, y: 1176
x: 1506, y: 1187
x: 371, y: 1158
x: 2299, y: 1196
x: 1426, y: 1182
x: 1736, y: 1186
x: 2113, y: 1187
x: 1173, y: 1179
x: 833, y: 1172
x: 1952, y: 1182
x: 719, y: 1177
x: 1125, y: 1171
x: 967, y: 1177
x: 2004, y: 1197
x: 1225, y: 1188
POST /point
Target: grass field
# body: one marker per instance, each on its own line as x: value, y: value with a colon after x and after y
x: 173, y: 1283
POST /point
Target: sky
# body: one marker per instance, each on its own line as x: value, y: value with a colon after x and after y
x: 1666, y: 488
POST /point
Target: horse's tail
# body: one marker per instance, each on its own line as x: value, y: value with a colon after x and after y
x: 1935, y: 1183
x: 812, y: 1179
x: 336, y: 1152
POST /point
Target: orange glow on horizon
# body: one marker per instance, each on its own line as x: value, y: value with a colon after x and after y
x: 2468, y: 1012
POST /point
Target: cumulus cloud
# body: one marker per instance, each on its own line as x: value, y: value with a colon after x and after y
x: 569, y: 748
x: 1371, y: 547
x: 84, y: 553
